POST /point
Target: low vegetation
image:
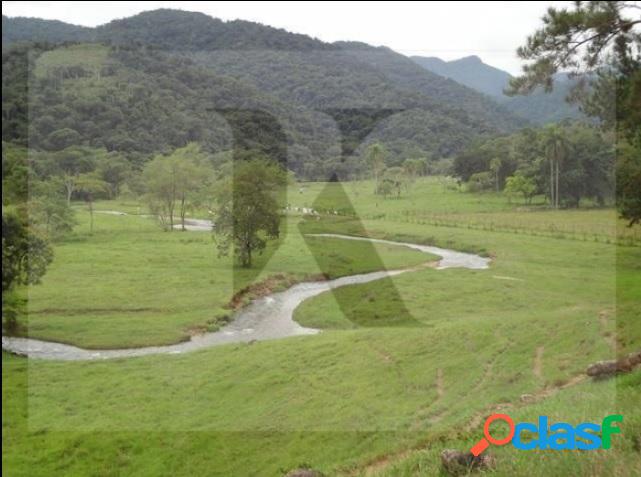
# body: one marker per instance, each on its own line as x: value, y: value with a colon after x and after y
x: 364, y: 356
x: 137, y: 130
x: 131, y: 284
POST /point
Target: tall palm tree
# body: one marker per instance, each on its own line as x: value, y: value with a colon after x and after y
x: 495, y: 168
x: 555, y: 150
x: 376, y: 159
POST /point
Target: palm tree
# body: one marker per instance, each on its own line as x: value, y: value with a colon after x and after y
x: 376, y: 159
x: 555, y: 149
x: 495, y: 168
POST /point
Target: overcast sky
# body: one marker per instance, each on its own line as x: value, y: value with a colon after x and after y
x: 449, y: 30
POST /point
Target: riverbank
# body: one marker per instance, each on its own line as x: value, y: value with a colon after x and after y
x: 268, y: 317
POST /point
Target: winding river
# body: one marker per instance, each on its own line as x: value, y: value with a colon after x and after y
x: 270, y: 317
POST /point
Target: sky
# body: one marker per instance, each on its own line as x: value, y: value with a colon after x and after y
x: 448, y: 30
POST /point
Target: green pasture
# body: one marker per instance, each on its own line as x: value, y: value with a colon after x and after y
x: 367, y: 396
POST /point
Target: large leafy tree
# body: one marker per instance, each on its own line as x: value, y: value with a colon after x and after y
x: 174, y: 183
x: 25, y: 254
x: 15, y: 174
x: 599, y: 42
x: 248, y: 212
x: 25, y: 257
x: 48, y: 209
x: 67, y: 165
x: 520, y: 184
x: 628, y: 178
x: 114, y: 169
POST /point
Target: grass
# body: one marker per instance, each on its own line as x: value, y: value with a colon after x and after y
x: 88, y: 56
x: 565, y: 279
x: 366, y: 389
x: 432, y: 201
x: 131, y: 284
x: 587, y: 402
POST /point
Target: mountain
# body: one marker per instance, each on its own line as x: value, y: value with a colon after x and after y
x: 469, y: 71
x: 311, y: 59
x: 538, y: 107
x: 138, y: 101
x: 36, y: 30
x: 154, y: 81
x: 166, y: 29
x: 181, y: 30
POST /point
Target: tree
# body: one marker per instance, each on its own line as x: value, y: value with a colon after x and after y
x: 598, y: 42
x: 413, y: 169
x: 376, y: 154
x: 25, y: 254
x: 443, y: 167
x: 385, y: 188
x: 114, y: 169
x: 589, y: 166
x: 519, y: 184
x: 555, y: 148
x: 25, y: 257
x: 396, y: 178
x: 62, y: 138
x: 68, y: 164
x: 15, y: 173
x: 175, y: 181
x: 480, y: 181
x: 159, y: 177
x: 569, y: 161
x: 495, y: 167
x: 628, y: 177
x: 193, y: 180
x: 581, y: 39
x: 48, y: 210
x: 248, y: 211
x: 495, y: 156
x: 91, y: 185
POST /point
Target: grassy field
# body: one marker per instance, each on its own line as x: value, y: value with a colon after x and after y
x: 366, y: 396
x: 587, y: 402
x: 131, y: 284
x: 82, y: 55
x: 436, y: 201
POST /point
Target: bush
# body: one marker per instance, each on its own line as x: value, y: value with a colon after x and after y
x: 481, y: 181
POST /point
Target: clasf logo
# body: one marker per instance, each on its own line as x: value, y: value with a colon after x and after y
x: 557, y: 436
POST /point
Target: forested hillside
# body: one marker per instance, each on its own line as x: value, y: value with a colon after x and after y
x: 136, y: 101
x: 35, y: 29
x: 158, y: 81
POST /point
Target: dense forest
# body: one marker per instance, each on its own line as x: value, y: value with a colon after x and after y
x: 162, y: 79
x: 568, y: 163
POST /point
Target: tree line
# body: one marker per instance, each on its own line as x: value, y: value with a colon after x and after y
x: 566, y: 162
x: 600, y: 44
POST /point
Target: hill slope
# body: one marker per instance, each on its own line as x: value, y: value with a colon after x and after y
x: 35, y: 29
x: 539, y: 107
x: 469, y: 71
x: 247, y: 66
